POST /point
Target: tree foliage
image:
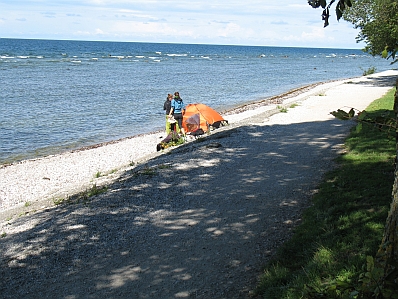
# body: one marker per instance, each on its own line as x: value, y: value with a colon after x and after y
x: 340, y: 7
x: 376, y: 19
x: 378, y: 24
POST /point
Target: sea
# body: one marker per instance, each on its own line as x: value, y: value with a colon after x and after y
x: 61, y: 95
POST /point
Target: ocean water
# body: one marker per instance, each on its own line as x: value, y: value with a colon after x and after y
x: 62, y: 95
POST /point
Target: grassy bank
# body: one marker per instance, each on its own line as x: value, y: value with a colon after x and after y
x: 344, y: 224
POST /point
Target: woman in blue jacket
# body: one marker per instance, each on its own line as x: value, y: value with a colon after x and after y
x: 178, y: 110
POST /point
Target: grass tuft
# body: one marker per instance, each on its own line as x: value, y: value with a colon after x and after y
x: 82, y: 197
x: 369, y: 71
x: 282, y: 109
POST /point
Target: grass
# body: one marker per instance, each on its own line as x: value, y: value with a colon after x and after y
x: 328, y: 251
x: 100, y: 174
x: 176, y: 140
x: 282, y: 109
x: 82, y: 197
x: 369, y: 71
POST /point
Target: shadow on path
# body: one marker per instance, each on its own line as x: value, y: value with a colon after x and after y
x: 198, y: 222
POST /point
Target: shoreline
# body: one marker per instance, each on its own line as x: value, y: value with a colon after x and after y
x: 252, y: 105
x: 36, y: 183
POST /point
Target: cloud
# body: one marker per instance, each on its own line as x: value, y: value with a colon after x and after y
x: 230, y: 29
x: 315, y: 33
x: 279, y: 23
x: 99, y: 31
x: 49, y: 14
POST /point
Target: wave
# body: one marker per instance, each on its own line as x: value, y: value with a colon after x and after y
x: 177, y: 55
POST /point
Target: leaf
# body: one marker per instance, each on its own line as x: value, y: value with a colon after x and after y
x: 348, y: 2
x: 339, y: 11
x: 354, y: 294
x: 351, y: 113
x: 323, y: 3
x: 338, y: 14
x: 370, y: 263
x: 384, y: 54
x: 314, y: 3
x: 325, y: 17
x: 342, y: 115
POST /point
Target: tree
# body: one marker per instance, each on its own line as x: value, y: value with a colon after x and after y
x: 378, y: 24
x: 376, y: 19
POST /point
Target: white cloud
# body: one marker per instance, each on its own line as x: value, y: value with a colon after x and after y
x: 314, y: 34
x: 230, y: 30
x: 99, y: 32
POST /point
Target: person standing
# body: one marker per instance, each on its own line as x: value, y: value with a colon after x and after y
x: 177, y: 110
x: 167, y: 108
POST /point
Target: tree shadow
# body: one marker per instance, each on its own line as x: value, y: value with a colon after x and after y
x: 196, y: 222
x: 381, y: 81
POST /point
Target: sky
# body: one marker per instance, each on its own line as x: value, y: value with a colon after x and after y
x: 287, y: 23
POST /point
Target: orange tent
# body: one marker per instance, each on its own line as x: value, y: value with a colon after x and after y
x: 200, y: 116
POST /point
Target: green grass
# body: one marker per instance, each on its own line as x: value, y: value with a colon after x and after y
x: 100, y: 174
x: 344, y: 224
x: 369, y: 71
x: 81, y: 197
x: 282, y: 109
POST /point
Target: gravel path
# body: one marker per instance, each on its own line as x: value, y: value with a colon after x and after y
x: 197, y: 221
